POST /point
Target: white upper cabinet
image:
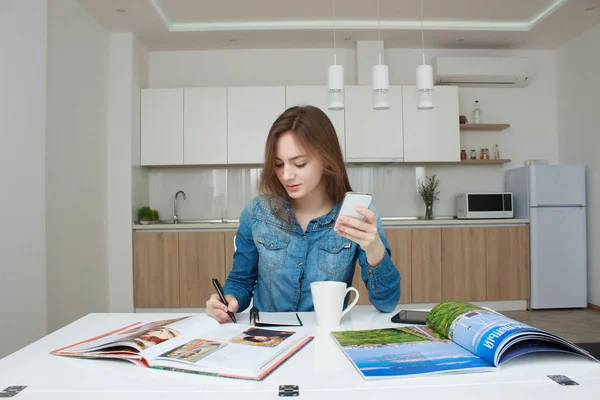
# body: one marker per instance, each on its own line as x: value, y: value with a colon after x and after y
x: 317, y: 96
x: 250, y: 113
x: 373, y: 135
x: 205, y: 126
x: 162, y: 126
x: 432, y: 135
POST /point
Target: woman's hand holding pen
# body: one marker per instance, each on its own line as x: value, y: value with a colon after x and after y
x: 217, y: 310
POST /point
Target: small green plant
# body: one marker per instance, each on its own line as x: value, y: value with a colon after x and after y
x: 146, y: 213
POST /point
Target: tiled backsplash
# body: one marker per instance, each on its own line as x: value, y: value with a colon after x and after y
x: 222, y: 193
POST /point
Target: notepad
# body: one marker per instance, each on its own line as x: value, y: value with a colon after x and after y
x: 265, y: 319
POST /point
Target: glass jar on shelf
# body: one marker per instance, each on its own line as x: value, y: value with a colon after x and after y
x: 473, y: 154
x: 477, y: 114
x: 463, y: 155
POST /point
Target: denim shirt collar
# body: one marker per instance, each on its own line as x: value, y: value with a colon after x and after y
x: 323, y: 222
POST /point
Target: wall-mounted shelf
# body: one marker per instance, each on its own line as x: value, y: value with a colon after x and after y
x: 483, y: 127
x: 498, y: 161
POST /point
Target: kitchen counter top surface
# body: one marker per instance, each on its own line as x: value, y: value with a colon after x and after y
x: 388, y: 222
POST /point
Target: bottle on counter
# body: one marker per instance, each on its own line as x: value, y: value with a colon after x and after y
x: 477, y: 114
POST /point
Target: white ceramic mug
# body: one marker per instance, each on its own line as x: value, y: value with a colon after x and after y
x: 328, y: 299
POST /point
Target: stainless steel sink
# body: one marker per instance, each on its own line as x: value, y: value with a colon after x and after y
x: 195, y: 221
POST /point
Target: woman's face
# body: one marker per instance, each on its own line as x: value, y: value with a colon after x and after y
x: 298, y: 171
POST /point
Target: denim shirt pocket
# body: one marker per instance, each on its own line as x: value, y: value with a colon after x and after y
x: 272, y: 250
x: 334, y: 254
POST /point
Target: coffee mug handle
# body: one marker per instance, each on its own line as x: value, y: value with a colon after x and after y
x: 353, y: 302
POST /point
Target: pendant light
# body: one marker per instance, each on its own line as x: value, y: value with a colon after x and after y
x: 424, y: 77
x: 335, y: 78
x: 380, y: 77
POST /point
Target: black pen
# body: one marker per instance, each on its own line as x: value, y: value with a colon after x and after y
x: 219, y: 290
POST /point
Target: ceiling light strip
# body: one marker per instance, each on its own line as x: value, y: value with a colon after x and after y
x: 354, y: 24
x: 161, y: 12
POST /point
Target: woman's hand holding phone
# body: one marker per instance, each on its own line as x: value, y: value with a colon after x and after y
x: 362, y: 231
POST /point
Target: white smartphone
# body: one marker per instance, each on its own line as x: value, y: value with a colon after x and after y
x: 352, y: 200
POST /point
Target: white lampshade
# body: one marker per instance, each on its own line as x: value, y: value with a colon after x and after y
x: 335, y: 87
x: 424, y: 87
x: 381, y: 86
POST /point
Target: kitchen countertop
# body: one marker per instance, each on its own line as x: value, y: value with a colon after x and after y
x: 224, y: 225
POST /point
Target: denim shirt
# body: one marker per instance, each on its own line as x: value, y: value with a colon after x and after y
x: 276, y: 262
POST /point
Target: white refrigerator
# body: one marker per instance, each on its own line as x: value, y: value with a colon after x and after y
x: 553, y: 197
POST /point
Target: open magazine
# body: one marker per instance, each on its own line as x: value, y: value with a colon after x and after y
x: 459, y: 337
x: 196, y: 344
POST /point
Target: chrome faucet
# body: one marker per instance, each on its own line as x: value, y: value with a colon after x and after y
x: 175, y: 215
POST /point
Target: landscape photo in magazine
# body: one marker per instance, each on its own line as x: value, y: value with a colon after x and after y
x: 458, y: 337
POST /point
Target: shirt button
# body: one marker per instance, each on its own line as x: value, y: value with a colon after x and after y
x: 303, y: 237
x: 297, y: 291
x: 300, y: 264
x: 372, y: 286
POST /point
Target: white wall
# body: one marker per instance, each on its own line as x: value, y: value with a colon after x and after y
x: 530, y: 111
x: 127, y: 181
x: 578, y: 132
x: 23, y: 312
x: 76, y: 164
x: 139, y: 174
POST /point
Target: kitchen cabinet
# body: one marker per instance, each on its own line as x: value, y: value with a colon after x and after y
x: 399, y: 241
x: 174, y: 269
x: 161, y: 126
x: 156, y: 269
x: 205, y: 126
x: 201, y: 258
x: 229, y: 250
x: 373, y: 135
x: 431, y: 135
x: 251, y: 111
x: 317, y: 96
x: 464, y: 276
x: 426, y: 265
x: 507, y: 261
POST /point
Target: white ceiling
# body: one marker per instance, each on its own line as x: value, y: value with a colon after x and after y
x: 226, y: 24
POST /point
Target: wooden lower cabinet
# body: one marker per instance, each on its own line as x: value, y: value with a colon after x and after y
x: 464, y: 276
x: 507, y: 259
x: 201, y: 258
x: 174, y: 269
x: 229, y: 250
x: 399, y: 242
x: 426, y: 265
x: 156, y: 269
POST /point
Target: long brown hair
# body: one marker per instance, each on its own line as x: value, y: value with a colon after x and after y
x: 315, y: 133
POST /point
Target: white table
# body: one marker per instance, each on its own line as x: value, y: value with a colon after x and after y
x: 320, y: 369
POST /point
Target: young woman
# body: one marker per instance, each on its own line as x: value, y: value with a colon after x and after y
x: 287, y: 238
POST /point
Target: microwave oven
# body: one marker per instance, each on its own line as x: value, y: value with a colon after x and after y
x: 484, y: 205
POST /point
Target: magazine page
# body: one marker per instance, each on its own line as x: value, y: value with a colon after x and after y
x: 136, y: 338
x: 523, y: 343
x: 487, y: 333
x: 235, y: 350
x: 405, y: 351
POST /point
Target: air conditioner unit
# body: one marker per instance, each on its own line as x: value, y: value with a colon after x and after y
x: 510, y: 72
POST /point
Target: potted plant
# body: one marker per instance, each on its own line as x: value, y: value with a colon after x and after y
x: 147, y: 215
x: 428, y: 191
